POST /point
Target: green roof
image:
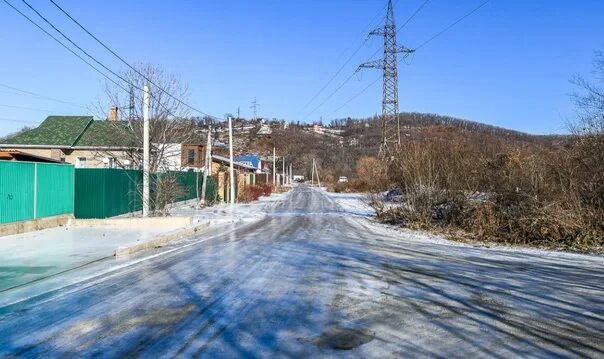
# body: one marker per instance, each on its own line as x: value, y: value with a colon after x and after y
x: 60, y: 131
x: 76, y: 131
x: 107, y: 134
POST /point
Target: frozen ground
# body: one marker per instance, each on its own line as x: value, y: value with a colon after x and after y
x: 30, y: 256
x: 312, y: 278
x: 37, y: 255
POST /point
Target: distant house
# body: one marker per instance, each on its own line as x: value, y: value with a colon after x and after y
x: 265, y: 130
x: 219, y: 162
x: 79, y: 140
x: 181, y: 157
x: 251, y: 160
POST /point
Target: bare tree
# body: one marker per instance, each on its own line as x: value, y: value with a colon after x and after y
x: 170, y: 121
x: 170, y: 124
x: 590, y: 100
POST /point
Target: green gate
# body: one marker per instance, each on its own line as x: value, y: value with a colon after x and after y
x: 32, y: 190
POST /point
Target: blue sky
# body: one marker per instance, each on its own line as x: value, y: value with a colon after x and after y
x: 508, y: 65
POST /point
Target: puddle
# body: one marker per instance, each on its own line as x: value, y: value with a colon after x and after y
x: 343, y: 338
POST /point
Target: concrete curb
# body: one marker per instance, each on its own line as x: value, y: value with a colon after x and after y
x: 34, y: 225
x: 162, y: 239
x: 150, y: 222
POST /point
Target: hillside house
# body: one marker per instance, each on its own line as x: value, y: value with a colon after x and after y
x: 79, y: 140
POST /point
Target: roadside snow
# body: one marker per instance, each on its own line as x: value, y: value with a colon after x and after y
x: 357, y: 204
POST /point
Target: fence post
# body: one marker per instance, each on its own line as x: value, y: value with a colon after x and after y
x: 35, y: 190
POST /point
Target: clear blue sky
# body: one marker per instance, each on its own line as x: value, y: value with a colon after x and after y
x: 508, y: 65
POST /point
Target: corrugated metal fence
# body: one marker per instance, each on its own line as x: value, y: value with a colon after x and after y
x: 103, y: 193
x: 35, y: 190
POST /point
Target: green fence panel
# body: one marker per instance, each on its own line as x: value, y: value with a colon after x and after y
x: 107, y: 192
x: 54, y: 189
x: 16, y: 191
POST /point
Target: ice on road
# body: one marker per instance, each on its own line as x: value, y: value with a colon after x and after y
x: 314, y: 279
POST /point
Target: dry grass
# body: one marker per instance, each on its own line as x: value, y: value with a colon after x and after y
x: 499, y: 192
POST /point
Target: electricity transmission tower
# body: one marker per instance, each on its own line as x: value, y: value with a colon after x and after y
x: 391, y: 136
x: 255, y: 106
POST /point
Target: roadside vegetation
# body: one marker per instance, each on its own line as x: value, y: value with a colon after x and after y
x: 497, y: 188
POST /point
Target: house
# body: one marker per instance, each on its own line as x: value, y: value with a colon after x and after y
x: 15, y: 155
x: 221, y: 162
x: 251, y: 160
x: 265, y: 130
x: 79, y: 140
x: 181, y: 157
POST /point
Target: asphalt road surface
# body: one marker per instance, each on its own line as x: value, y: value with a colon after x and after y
x: 313, y: 280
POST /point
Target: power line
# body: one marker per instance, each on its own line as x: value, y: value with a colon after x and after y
x: 79, y: 56
x: 62, y: 44
x: 452, y: 25
x: 76, y: 45
x: 17, y: 121
x: 26, y: 108
x: 25, y: 92
x: 355, y: 96
x: 126, y: 62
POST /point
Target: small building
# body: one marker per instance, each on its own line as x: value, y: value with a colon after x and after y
x: 251, y: 160
x: 265, y: 130
x: 15, y: 155
x: 221, y: 162
x: 181, y: 157
x: 79, y: 140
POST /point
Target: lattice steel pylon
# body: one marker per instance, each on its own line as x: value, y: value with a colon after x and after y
x: 391, y: 134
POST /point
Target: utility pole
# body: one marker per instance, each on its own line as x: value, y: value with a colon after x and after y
x: 274, y: 167
x: 391, y: 132
x: 231, y: 168
x: 146, y: 106
x: 131, y: 105
x: 291, y: 176
x: 255, y: 106
x: 312, y: 173
x: 208, y: 166
x: 283, y: 171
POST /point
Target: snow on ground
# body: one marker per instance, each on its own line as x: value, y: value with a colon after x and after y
x: 33, y: 256
x: 29, y: 256
x: 357, y: 204
x: 313, y: 280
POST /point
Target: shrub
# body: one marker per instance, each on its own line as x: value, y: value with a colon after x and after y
x: 250, y: 193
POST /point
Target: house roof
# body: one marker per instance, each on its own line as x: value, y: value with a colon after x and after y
x: 254, y: 160
x: 75, y: 131
x: 14, y: 155
x: 107, y: 134
x: 235, y: 163
x: 60, y: 131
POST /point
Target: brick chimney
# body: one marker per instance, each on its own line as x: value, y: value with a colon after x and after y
x: 113, y: 114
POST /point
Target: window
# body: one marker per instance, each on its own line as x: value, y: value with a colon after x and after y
x: 191, y: 157
x: 81, y: 162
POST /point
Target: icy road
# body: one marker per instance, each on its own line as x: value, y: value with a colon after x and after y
x: 313, y: 279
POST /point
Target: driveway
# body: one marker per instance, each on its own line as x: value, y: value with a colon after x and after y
x: 313, y: 279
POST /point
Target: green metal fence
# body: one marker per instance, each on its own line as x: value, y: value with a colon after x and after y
x: 107, y: 192
x: 103, y: 193
x: 31, y: 190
